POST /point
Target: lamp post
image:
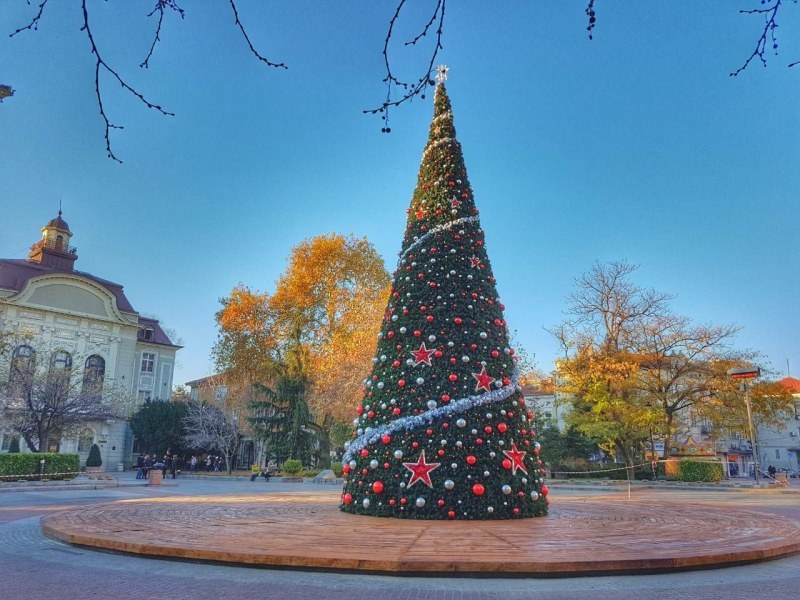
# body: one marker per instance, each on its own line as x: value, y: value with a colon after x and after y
x: 745, y: 374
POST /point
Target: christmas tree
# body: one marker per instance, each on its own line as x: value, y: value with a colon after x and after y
x: 443, y: 431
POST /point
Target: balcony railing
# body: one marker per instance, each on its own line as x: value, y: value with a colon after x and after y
x: 54, y: 245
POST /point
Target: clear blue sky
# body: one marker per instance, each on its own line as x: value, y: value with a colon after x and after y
x: 635, y: 145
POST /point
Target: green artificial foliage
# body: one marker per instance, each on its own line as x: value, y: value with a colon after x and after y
x: 14, y: 445
x: 27, y: 465
x: 292, y: 467
x: 94, y: 459
x: 443, y: 431
x: 336, y: 467
x: 700, y: 470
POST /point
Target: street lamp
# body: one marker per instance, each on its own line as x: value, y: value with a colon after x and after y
x: 745, y: 374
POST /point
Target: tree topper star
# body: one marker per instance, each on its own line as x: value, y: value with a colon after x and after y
x: 421, y: 471
x: 441, y: 73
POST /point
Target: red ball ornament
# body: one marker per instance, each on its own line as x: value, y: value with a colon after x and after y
x: 458, y: 320
x: 415, y: 445
x: 345, y: 469
x: 471, y: 460
x: 377, y: 487
x: 453, y: 377
x: 348, y: 498
x: 360, y: 410
x: 488, y: 429
x: 396, y: 411
x: 386, y: 438
x: 390, y: 335
x: 371, y: 414
x: 516, y: 511
x: 391, y: 502
x: 445, y: 397
x: 451, y: 514
x: 401, y: 383
x: 478, y: 489
x: 417, y: 333
x: 506, y: 464
x: 438, y: 354
x: 440, y: 503
x: 364, y: 453
x: 545, y: 490
x: 495, y: 354
x: 429, y: 318
x: 502, y: 427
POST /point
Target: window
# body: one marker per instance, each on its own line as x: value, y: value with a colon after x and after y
x: 148, y: 362
x: 23, y: 362
x: 93, y: 373
x: 144, y: 396
x: 85, y: 440
x: 7, y: 439
x: 60, y: 361
x: 146, y: 334
x: 777, y: 453
x: 194, y: 395
x: 220, y: 393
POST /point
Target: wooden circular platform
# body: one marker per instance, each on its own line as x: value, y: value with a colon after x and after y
x: 579, y: 537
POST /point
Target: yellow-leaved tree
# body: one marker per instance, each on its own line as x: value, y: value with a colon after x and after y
x: 326, y: 307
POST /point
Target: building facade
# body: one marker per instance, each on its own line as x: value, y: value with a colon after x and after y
x: 60, y: 316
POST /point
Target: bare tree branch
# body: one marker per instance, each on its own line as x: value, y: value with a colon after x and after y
x: 5, y: 91
x: 592, y: 17
x: 770, y: 14
x: 102, y: 63
x: 410, y: 90
x: 250, y: 44
x: 34, y: 24
x: 159, y: 8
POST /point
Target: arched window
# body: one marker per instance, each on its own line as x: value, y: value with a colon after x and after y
x: 59, y: 242
x: 23, y: 364
x: 60, y: 360
x: 59, y: 375
x: 85, y: 440
x: 93, y: 373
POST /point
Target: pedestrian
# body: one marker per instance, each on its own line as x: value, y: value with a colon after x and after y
x: 140, y: 467
x: 148, y: 464
x: 771, y: 470
x: 217, y: 464
x: 193, y: 463
x: 208, y: 463
x: 165, y: 463
x: 255, y: 469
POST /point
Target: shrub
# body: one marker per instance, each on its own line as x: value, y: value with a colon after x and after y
x: 337, y: 468
x: 311, y: 472
x: 700, y: 470
x: 13, y: 448
x: 94, y: 459
x: 25, y: 466
x: 292, y: 466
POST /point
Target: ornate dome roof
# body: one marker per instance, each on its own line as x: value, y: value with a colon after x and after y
x: 59, y: 223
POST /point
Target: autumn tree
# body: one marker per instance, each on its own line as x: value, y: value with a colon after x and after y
x: 631, y: 367
x: 326, y: 307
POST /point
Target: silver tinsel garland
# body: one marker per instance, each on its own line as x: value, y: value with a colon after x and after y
x: 434, y: 231
x: 371, y: 436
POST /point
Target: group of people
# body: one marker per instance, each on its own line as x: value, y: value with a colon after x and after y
x: 256, y: 470
x: 148, y: 462
x: 210, y: 463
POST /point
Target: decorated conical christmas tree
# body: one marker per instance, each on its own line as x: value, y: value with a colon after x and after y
x: 443, y: 431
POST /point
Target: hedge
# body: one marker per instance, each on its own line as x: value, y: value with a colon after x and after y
x: 24, y: 466
x: 292, y: 467
x: 604, y: 471
x: 700, y: 470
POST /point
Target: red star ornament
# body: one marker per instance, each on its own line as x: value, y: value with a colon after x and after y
x: 455, y: 202
x: 474, y: 261
x: 419, y: 214
x: 516, y: 459
x: 421, y: 471
x: 484, y: 380
x: 423, y: 355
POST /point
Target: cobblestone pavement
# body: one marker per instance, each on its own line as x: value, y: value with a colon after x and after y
x: 32, y: 566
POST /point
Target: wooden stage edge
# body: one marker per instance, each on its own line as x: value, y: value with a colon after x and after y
x: 586, y: 537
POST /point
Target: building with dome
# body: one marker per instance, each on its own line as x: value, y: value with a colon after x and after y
x: 65, y: 318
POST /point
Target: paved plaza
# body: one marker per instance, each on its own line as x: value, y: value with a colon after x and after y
x: 34, y: 566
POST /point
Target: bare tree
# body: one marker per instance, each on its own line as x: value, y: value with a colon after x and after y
x: 42, y: 403
x: 211, y: 428
x: 399, y: 90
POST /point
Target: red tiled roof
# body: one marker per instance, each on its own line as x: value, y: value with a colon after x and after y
x: 792, y: 384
